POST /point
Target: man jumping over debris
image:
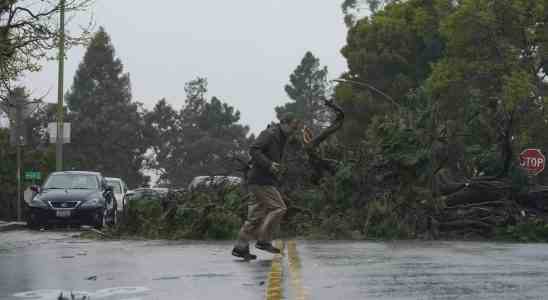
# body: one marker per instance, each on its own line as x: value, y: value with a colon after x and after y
x: 266, y: 207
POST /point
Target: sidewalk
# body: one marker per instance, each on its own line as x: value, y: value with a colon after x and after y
x: 5, y: 226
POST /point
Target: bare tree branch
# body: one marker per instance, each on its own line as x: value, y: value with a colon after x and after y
x: 28, y: 31
x: 337, y: 124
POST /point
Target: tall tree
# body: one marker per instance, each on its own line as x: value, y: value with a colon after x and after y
x: 200, y: 139
x: 307, y: 90
x: 165, y: 129
x: 353, y: 8
x: 495, y: 64
x: 478, y: 66
x: 391, y: 50
x: 107, y: 127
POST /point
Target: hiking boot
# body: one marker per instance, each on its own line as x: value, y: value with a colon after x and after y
x: 243, y: 253
x: 266, y: 246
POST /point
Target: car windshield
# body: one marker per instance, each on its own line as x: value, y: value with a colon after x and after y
x: 115, y: 186
x: 72, y: 181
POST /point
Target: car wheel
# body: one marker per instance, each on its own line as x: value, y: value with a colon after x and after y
x: 101, y: 219
x: 125, y: 209
x: 104, y: 222
x: 33, y: 223
x: 114, y: 219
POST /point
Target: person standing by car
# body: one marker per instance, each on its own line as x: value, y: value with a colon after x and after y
x: 266, y: 206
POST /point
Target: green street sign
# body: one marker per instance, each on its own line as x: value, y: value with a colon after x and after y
x: 33, y: 175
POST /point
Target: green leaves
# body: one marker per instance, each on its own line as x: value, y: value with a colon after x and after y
x: 479, y: 63
x: 517, y: 88
x: 202, y: 215
x: 533, y: 230
x: 198, y: 140
x: 307, y: 90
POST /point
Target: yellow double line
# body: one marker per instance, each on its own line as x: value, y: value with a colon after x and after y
x: 295, y: 268
x: 274, y: 287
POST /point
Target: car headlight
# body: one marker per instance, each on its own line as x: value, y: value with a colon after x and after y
x: 36, y: 202
x: 95, y: 202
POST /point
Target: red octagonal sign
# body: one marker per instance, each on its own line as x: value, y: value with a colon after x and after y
x: 532, y: 160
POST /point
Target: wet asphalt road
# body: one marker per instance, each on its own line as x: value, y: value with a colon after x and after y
x: 38, y: 265
x: 424, y: 270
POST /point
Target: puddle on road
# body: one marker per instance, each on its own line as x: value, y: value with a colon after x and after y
x: 119, y: 291
x: 205, y: 275
x: 167, y: 278
x: 210, y: 275
x: 78, y: 242
x: 100, y: 294
x: 258, y: 283
x: 48, y: 294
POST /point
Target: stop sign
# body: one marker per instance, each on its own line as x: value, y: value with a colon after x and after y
x: 532, y: 160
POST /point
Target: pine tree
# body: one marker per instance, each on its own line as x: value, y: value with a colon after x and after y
x: 198, y: 140
x: 107, y: 128
x: 307, y: 90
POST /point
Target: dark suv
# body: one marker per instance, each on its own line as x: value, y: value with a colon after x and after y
x: 78, y: 197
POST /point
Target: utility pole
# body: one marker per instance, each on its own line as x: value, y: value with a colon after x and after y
x: 18, y: 140
x: 59, y: 141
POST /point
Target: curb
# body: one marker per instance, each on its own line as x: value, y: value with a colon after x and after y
x: 12, y: 226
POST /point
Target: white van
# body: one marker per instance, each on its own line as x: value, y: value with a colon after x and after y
x: 120, y: 189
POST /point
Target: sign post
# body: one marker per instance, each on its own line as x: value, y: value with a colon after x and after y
x: 18, y: 108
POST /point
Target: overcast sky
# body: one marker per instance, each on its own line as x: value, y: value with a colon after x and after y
x: 247, y: 49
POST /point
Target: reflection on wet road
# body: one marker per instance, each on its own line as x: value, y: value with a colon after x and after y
x: 41, y: 265
x: 423, y: 270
